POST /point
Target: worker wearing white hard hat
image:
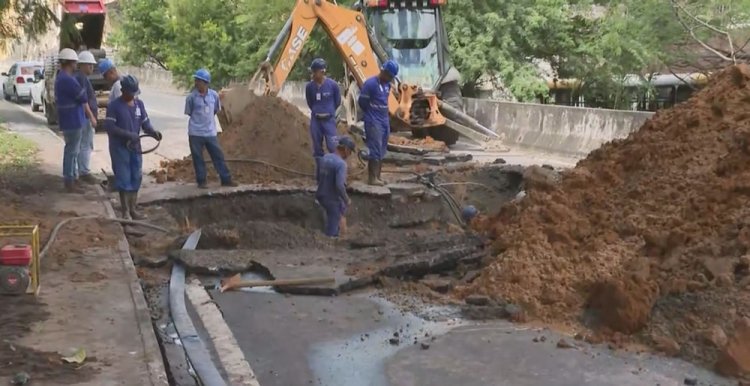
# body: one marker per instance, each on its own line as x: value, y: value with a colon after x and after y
x: 72, y: 110
x: 86, y: 64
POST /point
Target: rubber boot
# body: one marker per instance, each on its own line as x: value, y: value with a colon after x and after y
x: 125, y: 206
x: 372, y: 173
x: 132, y: 206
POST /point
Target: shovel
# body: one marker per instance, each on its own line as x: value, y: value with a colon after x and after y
x: 236, y: 282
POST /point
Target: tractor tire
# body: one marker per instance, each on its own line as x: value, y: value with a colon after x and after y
x: 444, y: 134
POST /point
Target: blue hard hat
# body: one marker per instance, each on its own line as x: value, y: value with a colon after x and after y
x: 391, y: 67
x: 469, y: 212
x: 203, y: 75
x: 346, y: 142
x: 105, y: 65
x: 318, y: 64
x: 129, y: 84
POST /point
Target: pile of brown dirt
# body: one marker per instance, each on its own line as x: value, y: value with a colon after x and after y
x: 269, y: 131
x: 639, y: 225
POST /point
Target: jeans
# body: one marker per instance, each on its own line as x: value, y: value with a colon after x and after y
x: 376, y: 139
x: 211, y: 144
x: 87, y: 146
x: 70, y: 153
x: 127, y: 166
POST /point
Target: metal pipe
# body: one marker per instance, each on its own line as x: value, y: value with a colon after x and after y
x: 279, y: 39
x: 461, y: 117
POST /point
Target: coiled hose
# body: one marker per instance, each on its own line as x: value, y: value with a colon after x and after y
x: 131, y: 145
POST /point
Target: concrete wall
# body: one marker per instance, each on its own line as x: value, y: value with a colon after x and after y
x: 571, y: 131
x: 560, y: 129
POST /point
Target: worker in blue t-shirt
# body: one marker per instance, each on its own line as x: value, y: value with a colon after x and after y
x: 202, y: 105
x: 331, y: 193
x: 126, y: 117
x: 323, y: 98
x: 72, y: 112
x: 373, y: 100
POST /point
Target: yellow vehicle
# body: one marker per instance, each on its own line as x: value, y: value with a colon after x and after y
x: 411, y: 106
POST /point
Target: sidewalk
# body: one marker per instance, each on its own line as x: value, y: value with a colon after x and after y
x: 91, y: 295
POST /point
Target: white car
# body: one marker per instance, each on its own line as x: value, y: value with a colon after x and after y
x: 37, y: 91
x: 20, y: 78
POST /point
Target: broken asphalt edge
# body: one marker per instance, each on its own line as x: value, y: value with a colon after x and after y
x: 151, y: 350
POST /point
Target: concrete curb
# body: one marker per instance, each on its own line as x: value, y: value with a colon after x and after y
x: 232, y: 359
x: 151, y: 350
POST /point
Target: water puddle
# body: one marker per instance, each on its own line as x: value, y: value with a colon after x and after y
x: 359, y: 360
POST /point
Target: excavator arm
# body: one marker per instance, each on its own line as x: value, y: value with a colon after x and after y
x: 351, y: 36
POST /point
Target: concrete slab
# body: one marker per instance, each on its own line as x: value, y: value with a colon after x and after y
x: 503, y: 354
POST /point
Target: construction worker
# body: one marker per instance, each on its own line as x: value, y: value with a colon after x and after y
x: 109, y: 72
x: 331, y: 193
x: 373, y: 100
x: 468, y: 213
x: 72, y: 111
x: 86, y: 64
x: 126, y: 117
x: 323, y: 97
x: 202, y: 105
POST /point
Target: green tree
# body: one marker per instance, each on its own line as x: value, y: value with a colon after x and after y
x: 144, y: 32
x: 24, y: 18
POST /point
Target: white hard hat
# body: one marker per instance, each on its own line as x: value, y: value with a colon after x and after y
x: 68, y: 54
x: 86, y: 57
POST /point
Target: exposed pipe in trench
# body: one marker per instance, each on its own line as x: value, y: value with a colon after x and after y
x: 196, y: 351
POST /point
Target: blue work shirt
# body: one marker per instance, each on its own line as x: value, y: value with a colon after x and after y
x: 332, y: 182
x: 84, y: 81
x: 201, y: 108
x: 373, y: 100
x: 324, y: 98
x: 69, y: 98
x: 124, y: 123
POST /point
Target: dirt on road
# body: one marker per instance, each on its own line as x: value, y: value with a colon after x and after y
x: 29, y: 198
x: 649, y: 234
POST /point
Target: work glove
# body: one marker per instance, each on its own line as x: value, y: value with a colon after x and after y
x: 156, y: 135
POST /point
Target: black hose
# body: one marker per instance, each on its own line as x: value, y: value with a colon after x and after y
x: 131, y: 145
x: 196, y: 351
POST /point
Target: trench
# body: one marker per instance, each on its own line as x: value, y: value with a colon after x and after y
x: 333, y: 332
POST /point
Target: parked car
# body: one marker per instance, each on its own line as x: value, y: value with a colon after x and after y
x: 37, y: 89
x: 19, y: 80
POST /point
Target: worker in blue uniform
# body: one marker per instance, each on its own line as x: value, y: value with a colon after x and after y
x: 331, y: 193
x: 202, y: 105
x: 373, y: 100
x: 323, y: 98
x: 126, y: 117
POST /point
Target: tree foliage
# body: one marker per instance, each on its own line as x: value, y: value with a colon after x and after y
x: 24, y: 18
x: 597, y: 41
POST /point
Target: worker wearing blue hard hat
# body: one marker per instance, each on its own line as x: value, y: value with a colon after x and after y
x: 468, y: 213
x: 323, y: 98
x: 331, y: 193
x: 126, y: 117
x: 373, y: 100
x: 109, y: 71
x: 202, y: 105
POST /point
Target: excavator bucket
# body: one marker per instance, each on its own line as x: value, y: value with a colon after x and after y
x: 234, y: 100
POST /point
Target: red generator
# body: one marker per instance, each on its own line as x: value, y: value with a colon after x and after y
x: 15, y: 269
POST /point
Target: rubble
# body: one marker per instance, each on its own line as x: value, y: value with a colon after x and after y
x: 644, y: 226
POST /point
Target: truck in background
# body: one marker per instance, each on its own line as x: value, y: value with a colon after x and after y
x: 81, y: 28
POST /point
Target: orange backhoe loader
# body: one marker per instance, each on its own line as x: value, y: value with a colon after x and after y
x: 411, y: 107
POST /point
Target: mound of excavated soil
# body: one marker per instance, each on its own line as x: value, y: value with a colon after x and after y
x: 269, y: 131
x: 642, y: 227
